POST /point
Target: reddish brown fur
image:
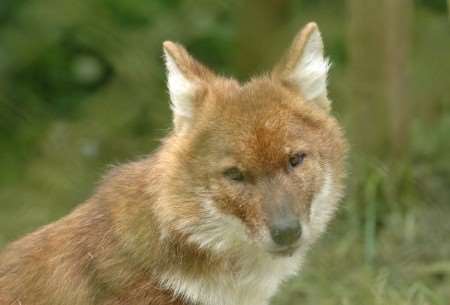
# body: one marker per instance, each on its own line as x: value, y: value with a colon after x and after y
x: 111, y: 249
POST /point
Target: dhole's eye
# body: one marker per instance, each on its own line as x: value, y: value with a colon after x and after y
x: 296, y: 159
x: 234, y: 173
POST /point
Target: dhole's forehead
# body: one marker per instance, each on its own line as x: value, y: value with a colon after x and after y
x: 264, y: 109
x: 268, y: 139
x: 260, y: 124
x: 264, y: 102
x: 259, y: 96
x: 260, y: 139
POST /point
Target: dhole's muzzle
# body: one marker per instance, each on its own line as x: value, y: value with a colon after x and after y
x: 283, y: 221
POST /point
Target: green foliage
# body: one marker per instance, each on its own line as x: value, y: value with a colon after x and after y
x: 8, y: 8
x: 436, y: 5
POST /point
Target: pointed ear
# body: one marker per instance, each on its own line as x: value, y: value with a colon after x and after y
x: 186, y: 79
x: 305, y: 68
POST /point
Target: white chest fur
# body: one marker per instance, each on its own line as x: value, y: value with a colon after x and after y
x: 254, y: 284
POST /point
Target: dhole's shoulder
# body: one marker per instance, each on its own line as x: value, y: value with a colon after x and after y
x: 131, y: 177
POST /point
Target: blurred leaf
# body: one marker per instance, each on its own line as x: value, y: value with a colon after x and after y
x: 8, y: 8
x: 436, y: 5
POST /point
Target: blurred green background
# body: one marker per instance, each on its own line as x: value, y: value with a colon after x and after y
x: 82, y: 86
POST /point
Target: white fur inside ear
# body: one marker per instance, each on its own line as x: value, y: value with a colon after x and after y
x: 181, y: 89
x: 310, y: 73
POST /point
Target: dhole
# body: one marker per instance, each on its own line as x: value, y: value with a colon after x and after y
x: 220, y: 214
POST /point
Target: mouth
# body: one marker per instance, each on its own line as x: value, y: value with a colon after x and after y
x: 284, y: 251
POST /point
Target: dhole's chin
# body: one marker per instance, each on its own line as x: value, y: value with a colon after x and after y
x: 286, y: 251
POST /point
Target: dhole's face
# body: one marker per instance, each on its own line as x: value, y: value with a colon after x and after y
x: 259, y: 163
x: 263, y: 157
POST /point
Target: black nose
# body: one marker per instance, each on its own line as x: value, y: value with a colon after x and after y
x: 287, y: 232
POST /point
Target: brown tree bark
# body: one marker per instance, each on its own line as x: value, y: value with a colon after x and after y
x: 379, y: 36
x: 398, y: 15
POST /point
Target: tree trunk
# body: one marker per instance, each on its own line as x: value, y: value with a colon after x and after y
x: 379, y: 43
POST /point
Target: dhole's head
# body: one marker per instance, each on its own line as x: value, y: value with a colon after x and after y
x: 258, y: 164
